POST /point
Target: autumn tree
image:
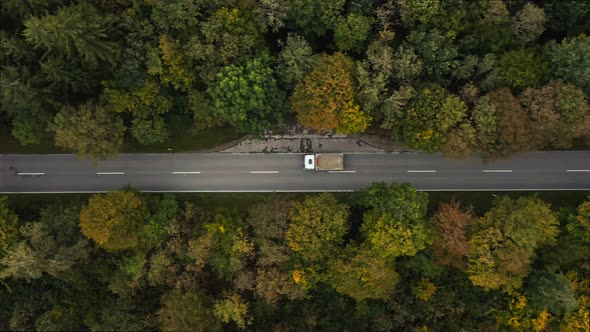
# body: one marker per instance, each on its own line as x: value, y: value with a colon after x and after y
x: 247, y: 96
x: 559, y: 112
x: 270, y: 222
x: 8, y: 224
x: 89, y: 130
x: 113, y: 220
x: 579, y: 223
x: 451, y: 223
x: 502, y: 125
x: 396, y: 223
x: 324, y: 100
x: 504, y: 243
x: 317, y: 228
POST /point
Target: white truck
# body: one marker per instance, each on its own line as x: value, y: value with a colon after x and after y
x: 324, y: 162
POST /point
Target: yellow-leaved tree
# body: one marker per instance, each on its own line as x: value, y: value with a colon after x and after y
x: 113, y: 220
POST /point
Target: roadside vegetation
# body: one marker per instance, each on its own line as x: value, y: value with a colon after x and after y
x: 99, y: 77
x: 384, y: 258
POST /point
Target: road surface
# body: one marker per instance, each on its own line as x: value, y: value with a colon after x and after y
x: 218, y: 172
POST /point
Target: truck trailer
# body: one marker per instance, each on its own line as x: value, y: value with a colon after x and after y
x: 324, y: 162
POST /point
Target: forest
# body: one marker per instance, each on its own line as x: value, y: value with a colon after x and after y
x: 385, y: 258
x: 492, y: 77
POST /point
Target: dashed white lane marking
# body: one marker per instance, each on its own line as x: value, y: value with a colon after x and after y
x: 422, y: 171
x: 341, y: 171
x: 30, y: 173
x: 186, y: 172
x: 110, y: 173
x: 497, y: 171
x: 264, y: 172
x: 577, y: 170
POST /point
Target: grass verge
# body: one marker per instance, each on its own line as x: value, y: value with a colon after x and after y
x: 179, y: 141
x: 29, y: 204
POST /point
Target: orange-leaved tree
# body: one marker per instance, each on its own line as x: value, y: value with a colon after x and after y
x: 324, y: 100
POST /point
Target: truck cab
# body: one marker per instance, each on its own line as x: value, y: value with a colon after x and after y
x: 309, y: 162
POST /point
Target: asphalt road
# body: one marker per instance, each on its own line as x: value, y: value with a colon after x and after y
x: 219, y: 172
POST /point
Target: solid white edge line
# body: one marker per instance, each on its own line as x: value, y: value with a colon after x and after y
x: 279, y: 190
x: 422, y: 171
x: 110, y: 173
x: 577, y: 170
x: 264, y: 172
x: 341, y: 171
x: 497, y: 171
x: 30, y: 173
x: 186, y: 172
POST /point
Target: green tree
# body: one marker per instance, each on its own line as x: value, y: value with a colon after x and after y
x: 551, y: 291
x: 529, y: 22
x: 569, y: 61
x: 23, y: 104
x: 113, y: 220
x: 317, y: 228
x: 223, y: 244
x: 272, y: 13
x: 44, y: 250
x: 437, y: 51
x: 74, y: 31
x: 147, y: 104
x: 187, y: 311
x: 295, y: 60
x: 492, y: 29
x: 504, y: 243
x: 232, y: 308
x: 351, y: 32
x: 431, y: 116
x: 247, y: 96
x: 407, y: 64
x: 315, y: 17
x: 90, y: 130
x: 521, y: 69
x: 567, y: 16
x: 362, y: 275
x: 228, y: 36
x: 396, y: 223
x: 327, y: 94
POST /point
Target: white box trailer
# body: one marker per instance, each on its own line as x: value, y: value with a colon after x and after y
x: 324, y: 162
